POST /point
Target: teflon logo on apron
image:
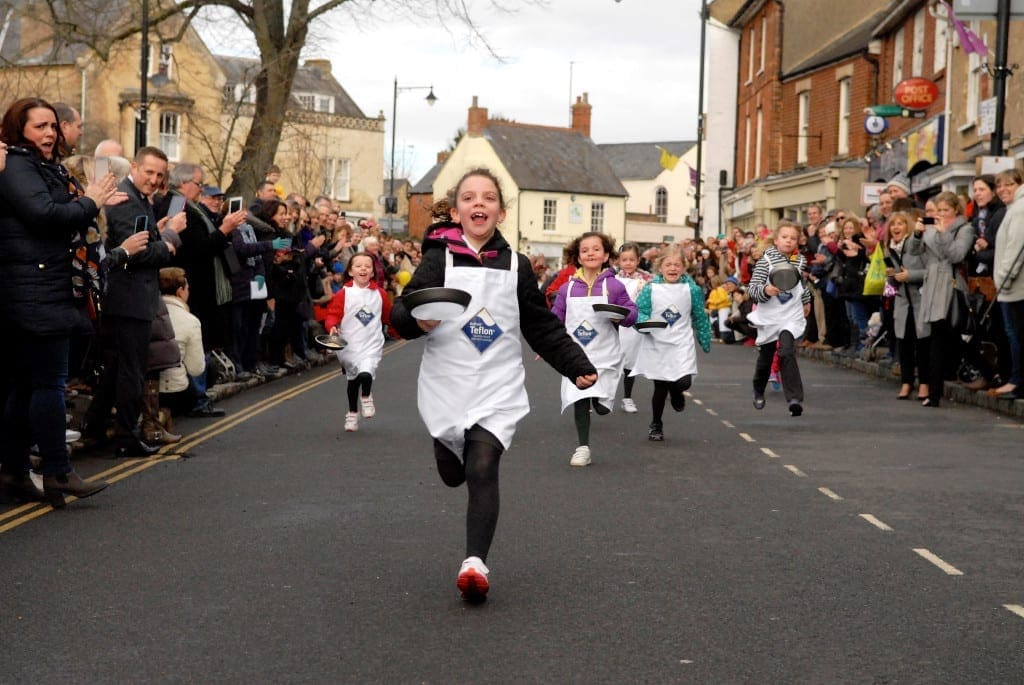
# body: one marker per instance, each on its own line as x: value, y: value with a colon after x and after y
x: 585, y: 333
x: 784, y: 296
x: 365, y: 316
x: 671, y: 314
x: 482, y: 330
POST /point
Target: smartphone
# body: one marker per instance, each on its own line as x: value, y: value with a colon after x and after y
x: 102, y: 167
x: 141, y: 224
x: 234, y: 204
x: 177, y: 205
x: 928, y: 221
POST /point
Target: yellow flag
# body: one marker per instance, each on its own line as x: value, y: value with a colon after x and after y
x: 668, y: 160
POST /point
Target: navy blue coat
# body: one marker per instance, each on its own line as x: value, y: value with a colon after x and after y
x: 38, y: 218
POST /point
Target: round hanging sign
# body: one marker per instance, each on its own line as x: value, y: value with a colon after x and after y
x: 875, y: 125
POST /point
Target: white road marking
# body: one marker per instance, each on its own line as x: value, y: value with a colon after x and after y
x: 830, y: 494
x: 875, y: 522
x: 794, y: 470
x: 769, y: 453
x: 747, y: 437
x: 711, y: 411
x: 1015, y: 608
x: 948, y: 568
x: 698, y: 402
x: 727, y: 424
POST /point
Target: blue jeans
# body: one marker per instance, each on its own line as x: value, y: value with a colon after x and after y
x: 35, y: 409
x: 1013, y: 320
x: 857, y: 314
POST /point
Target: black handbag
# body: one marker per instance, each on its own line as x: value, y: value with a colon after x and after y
x: 960, y: 314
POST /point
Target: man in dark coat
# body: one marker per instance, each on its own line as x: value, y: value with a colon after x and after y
x: 130, y: 305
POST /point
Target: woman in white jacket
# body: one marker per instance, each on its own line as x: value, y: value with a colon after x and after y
x: 175, y: 390
x: 1009, y: 258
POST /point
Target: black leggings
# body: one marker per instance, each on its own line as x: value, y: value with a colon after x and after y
x: 661, y: 392
x: 364, y: 382
x: 627, y: 384
x: 482, y: 454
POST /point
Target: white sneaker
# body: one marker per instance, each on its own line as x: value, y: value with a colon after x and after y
x: 71, y: 436
x: 351, y: 421
x: 369, y: 411
x: 581, y: 457
x: 472, y: 580
x: 628, y: 405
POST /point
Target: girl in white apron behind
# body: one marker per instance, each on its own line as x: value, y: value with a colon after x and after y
x: 592, y: 284
x: 634, y: 280
x: 471, y: 382
x: 356, y: 313
x: 668, y: 356
x: 780, y: 317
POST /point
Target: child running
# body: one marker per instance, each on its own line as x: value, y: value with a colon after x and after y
x: 471, y: 381
x: 780, y: 317
x: 356, y: 313
x: 593, y: 283
x: 668, y: 356
x: 633, y: 278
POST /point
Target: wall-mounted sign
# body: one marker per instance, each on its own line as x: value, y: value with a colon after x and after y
x: 916, y: 93
x: 875, y: 124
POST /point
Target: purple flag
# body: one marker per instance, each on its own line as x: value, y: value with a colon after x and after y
x: 693, y: 175
x: 969, y: 40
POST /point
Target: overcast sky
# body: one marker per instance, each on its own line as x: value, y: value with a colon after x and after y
x: 637, y: 60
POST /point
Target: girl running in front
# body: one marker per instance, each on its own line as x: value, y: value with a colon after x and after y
x: 594, y: 283
x: 668, y: 355
x: 780, y: 317
x: 356, y: 313
x: 471, y: 381
x: 633, y: 278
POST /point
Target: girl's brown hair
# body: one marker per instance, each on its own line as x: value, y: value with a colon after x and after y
x: 453, y: 194
x: 606, y: 242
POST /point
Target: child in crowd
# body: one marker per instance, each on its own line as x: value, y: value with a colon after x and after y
x: 472, y: 389
x: 356, y: 312
x: 780, y: 317
x: 633, y: 278
x: 593, y: 283
x: 720, y: 302
x: 668, y: 356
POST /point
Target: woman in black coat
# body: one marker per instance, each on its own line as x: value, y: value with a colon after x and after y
x: 40, y: 215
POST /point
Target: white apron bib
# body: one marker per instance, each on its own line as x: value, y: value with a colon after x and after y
x: 361, y: 329
x: 629, y: 339
x: 668, y: 354
x: 784, y: 312
x: 599, y: 340
x: 472, y: 368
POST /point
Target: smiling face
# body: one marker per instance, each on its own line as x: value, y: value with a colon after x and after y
x: 592, y: 254
x: 478, y: 208
x: 361, y: 270
x: 281, y: 217
x: 982, y: 193
x: 628, y: 262
x: 1005, y: 189
x: 898, y: 229
x: 148, y: 175
x: 41, y: 130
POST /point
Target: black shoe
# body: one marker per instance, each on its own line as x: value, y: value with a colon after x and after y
x: 795, y: 408
x: 207, y: 412
x: 655, y: 434
x: 244, y: 376
x: 16, y: 488
x: 677, y: 398
x: 599, y: 408
x: 71, y: 483
x: 1014, y: 394
x: 758, y: 400
x: 135, y: 448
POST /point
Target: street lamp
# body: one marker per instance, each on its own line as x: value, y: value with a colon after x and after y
x: 142, y: 119
x: 391, y: 202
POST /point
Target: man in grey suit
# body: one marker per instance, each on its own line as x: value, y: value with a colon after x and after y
x: 130, y: 305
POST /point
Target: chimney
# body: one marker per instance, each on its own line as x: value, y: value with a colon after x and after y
x: 477, y: 121
x: 321, y: 65
x: 443, y: 156
x: 581, y: 116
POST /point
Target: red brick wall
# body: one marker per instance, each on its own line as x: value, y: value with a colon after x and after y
x: 758, y: 89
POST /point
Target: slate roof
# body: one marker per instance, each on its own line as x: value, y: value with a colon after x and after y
x: 308, y: 79
x: 641, y: 161
x: 50, y: 50
x: 849, y: 43
x: 426, y: 184
x: 553, y: 159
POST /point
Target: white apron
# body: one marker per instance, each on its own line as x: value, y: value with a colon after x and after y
x: 361, y: 329
x: 668, y: 354
x: 629, y: 339
x: 784, y: 312
x: 599, y: 340
x: 472, y: 368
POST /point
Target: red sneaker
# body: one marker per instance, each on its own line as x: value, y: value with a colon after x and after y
x: 472, y: 580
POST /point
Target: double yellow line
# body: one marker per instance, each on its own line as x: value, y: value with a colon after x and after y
x: 27, y: 512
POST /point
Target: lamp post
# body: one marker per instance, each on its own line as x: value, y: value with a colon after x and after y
x: 700, y: 114
x: 142, y: 120
x: 391, y: 202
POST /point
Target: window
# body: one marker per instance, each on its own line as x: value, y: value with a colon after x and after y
x: 974, y: 69
x: 240, y: 93
x: 764, y: 41
x: 661, y: 204
x: 757, y: 144
x: 170, y: 125
x: 550, y: 215
x: 307, y: 101
x: 843, y: 144
x: 897, y: 58
x: 746, y: 153
x: 160, y: 58
x: 804, y: 119
x: 315, y: 102
x: 939, y: 55
x: 750, y: 56
x: 325, y: 103
x: 337, y: 178
x: 597, y: 217
x: 918, y: 55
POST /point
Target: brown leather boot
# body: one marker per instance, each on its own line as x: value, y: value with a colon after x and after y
x: 153, y: 431
x: 55, y: 487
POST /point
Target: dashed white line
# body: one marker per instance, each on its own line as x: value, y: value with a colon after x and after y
x: 727, y: 424
x: 1015, y: 608
x: 947, y: 568
x: 746, y: 436
x: 880, y: 525
x: 830, y: 494
x: 698, y: 403
x: 711, y: 411
x: 794, y: 470
x: 769, y: 453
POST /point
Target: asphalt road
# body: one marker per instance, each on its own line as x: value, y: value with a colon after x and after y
x: 868, y: 541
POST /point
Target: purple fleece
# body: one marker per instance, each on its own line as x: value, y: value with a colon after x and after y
x: 616, y: 295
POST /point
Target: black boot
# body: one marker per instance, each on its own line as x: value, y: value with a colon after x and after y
x: 134, y: 447
x: 18, y: 487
